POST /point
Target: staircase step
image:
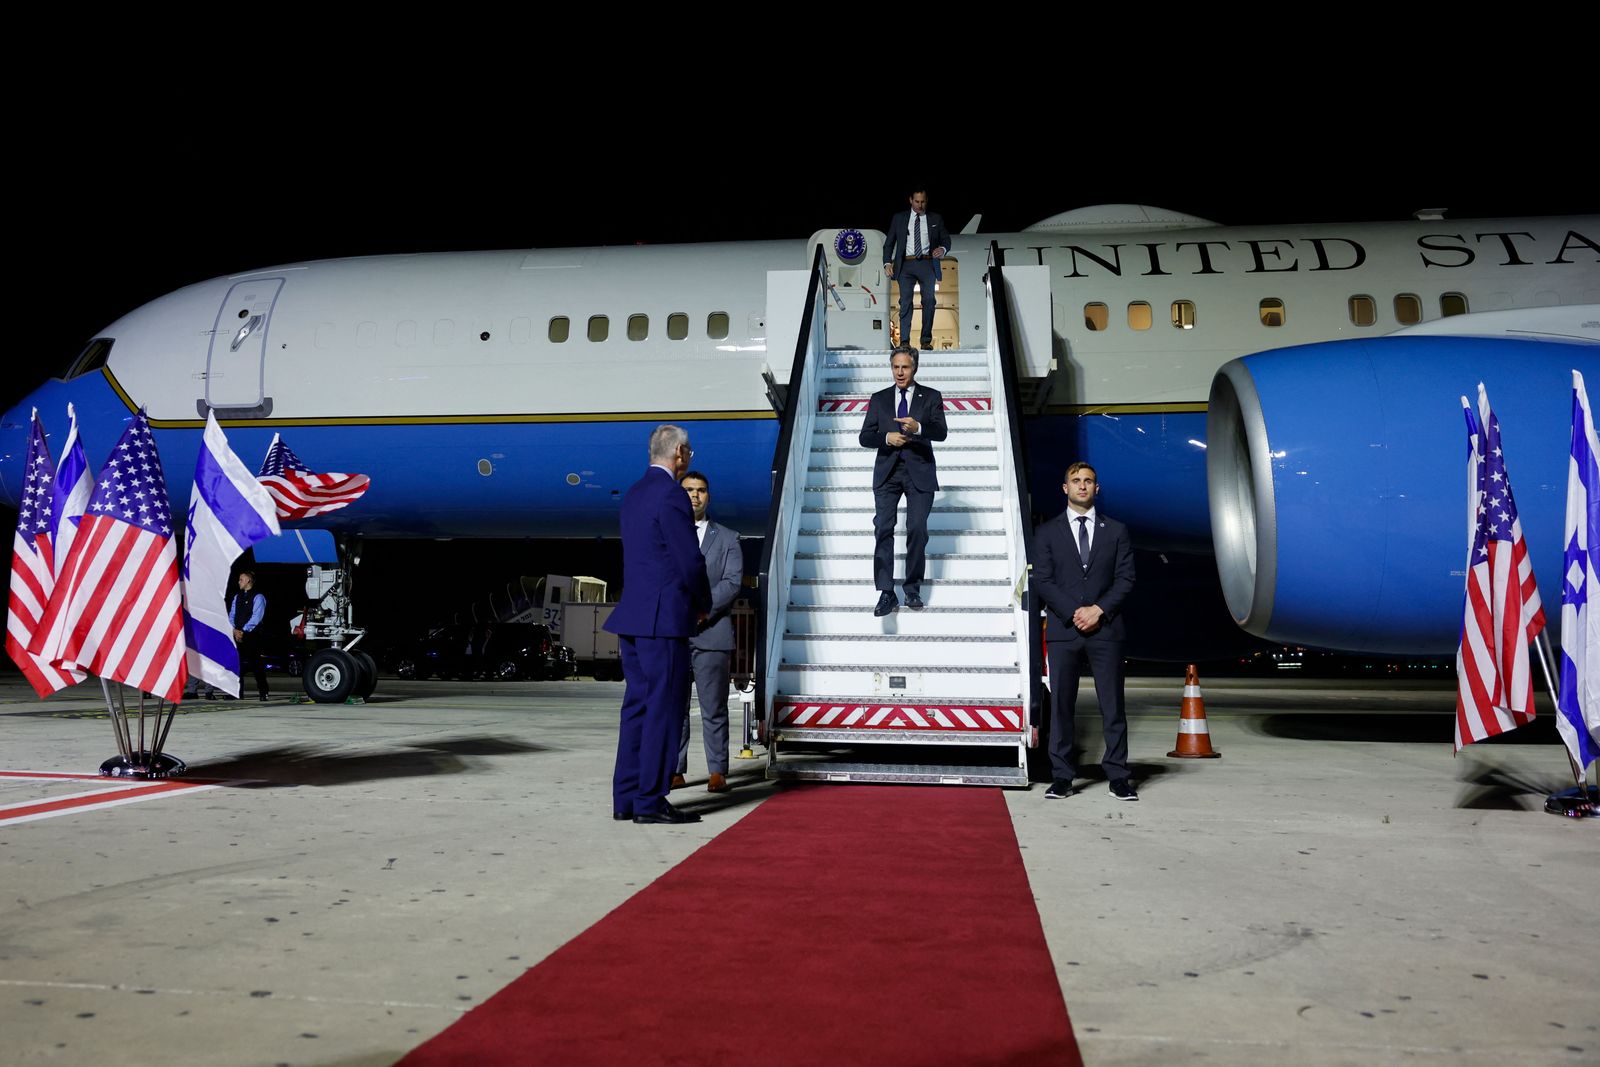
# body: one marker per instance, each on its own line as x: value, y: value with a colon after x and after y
x: 906, y: 651
x: 856, y: 403
x: 941, y: 539
x: 805, y: 770
x: 844, y: 482
x: 953, y: 383
x: 950, y: 620
x: 940, y: 565
x: 875, y: 721
x: 859, y: 519
x: 856, y: 496
x: 951, y: 684
x: 857, y: 593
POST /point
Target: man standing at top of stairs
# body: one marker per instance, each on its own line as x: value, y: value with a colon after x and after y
x: 902, y: 422
x: 916, y: 242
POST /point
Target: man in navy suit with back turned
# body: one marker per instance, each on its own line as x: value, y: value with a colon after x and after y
x: 902, y: 423
x: 1083, y: 572
x: 916, y: 242
x: 665, y: 597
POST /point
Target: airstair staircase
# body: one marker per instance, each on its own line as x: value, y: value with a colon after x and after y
x: 943, y: 695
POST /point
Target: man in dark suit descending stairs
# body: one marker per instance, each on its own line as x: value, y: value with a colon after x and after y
x: 902, y: 422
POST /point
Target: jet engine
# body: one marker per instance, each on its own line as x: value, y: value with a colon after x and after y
x: 1338, y: 487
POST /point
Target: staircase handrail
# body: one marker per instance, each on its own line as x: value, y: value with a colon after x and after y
x: 1013, y: 468
x: 788, y: 487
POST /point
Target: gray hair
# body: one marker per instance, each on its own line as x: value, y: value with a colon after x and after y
x: 666, y: 441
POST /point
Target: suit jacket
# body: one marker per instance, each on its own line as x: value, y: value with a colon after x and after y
x: 927, y: 407
x: 895, y: 250
x: 1060, y: 580
x: 724, y: 566
x: 663, y: 578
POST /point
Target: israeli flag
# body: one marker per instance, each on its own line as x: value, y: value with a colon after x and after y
x: 69, y: 494
x: 228, y: 512
x: 1578, y: 706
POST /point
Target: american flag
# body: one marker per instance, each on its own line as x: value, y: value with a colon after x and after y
x: 1494, y: 679
x: 117, y: 611
x: 33, y: 569
x: 299, y: 493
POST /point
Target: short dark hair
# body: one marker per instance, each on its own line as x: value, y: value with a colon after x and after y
x: 695, y: 474
x: 906, y: 350
x: 1080, y: 466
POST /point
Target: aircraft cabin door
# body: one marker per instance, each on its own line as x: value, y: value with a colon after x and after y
x: 857, y: 315
x: 236, y: 363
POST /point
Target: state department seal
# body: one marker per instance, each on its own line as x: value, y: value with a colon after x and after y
x: 850, y: 245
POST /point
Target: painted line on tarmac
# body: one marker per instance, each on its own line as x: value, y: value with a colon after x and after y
x: 116, y: 794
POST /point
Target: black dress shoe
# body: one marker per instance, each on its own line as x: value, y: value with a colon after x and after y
x: 668, y: 815
x: 622, y: 816
x: 887, y: 602
x: 914, y: 601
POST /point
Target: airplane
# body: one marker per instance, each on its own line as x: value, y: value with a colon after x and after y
x: 509, y: 393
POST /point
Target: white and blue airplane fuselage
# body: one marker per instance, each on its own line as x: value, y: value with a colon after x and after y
x: 511, y: 393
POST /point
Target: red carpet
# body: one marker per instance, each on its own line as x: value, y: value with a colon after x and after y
x: 835, y: 924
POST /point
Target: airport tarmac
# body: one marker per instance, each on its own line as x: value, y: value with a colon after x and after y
x: 1336, y: 889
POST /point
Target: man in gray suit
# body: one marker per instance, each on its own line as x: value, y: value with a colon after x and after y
x: 712, y: 645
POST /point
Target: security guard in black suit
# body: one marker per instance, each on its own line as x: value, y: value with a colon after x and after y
x: 1083, y: 573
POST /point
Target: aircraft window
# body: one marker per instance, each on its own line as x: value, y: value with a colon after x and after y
x: 677, y: 326
x: 560, y: 329
x: 717, y: 325
x: 1407, y: 309
x: 1183, y: 314
x: 599, y: 327
x: 1138, y: 315
x: 638, y: 327
x: 1452, y: 304
x: 1096, y: 317
x: 1363, y: 310
x: 92, y: 358
x: 1273, y: 312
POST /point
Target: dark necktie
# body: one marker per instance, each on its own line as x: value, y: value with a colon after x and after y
x: 916, y: 236
x: 904, y: 412
x: 1083, y: 540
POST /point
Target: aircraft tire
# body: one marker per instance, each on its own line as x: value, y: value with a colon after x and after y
x: 367, y: 680
x: 331, y: 676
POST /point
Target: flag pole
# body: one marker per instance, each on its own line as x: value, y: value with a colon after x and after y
x: 117, y: 724
x: 1541, y: 645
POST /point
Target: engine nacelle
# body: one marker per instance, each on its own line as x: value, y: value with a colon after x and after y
x: 1337, y: 481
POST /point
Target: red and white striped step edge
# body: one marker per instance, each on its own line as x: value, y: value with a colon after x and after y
x: 820, y: 714
x: 859, y: 403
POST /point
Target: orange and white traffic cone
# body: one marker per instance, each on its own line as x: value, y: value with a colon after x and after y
x: 1194, y: 737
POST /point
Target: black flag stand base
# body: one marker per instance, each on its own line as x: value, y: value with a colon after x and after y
x: 143, y: 765
x: 1575, y: 804
x: 139, y: 761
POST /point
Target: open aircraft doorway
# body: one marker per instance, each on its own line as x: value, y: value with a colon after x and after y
x: 946, y: 309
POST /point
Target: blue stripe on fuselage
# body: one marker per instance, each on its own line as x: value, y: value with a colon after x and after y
x: 566, y: 479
